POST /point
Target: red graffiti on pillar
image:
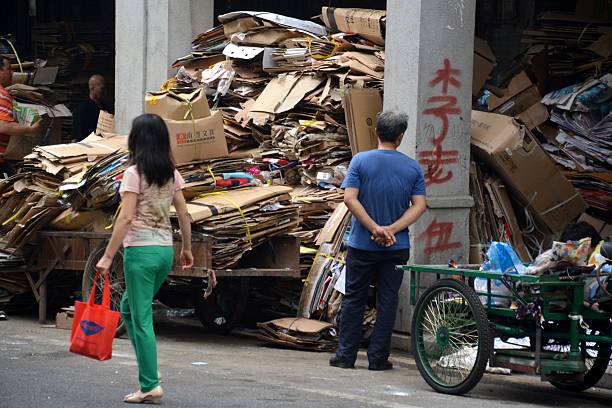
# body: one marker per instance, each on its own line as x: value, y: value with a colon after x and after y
x: 444, y: 106
x: 437, y: 237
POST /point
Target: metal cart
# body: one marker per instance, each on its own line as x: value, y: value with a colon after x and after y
x: 456, y: 330
x: 80, y: 251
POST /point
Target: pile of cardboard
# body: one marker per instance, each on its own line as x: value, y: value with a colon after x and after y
x: 242, y: 219
x: 542, y: 152
x: 77, y: 50
x: 53, y: 178
x: 565, y: 48
x: 299, y: 100
x: 581, y: 142
x: 28, y: 201
x: 329, y: 266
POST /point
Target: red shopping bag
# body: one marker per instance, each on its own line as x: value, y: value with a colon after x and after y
x: 94, y: 326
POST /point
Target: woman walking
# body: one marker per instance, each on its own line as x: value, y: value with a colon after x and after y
x: 150, y: 185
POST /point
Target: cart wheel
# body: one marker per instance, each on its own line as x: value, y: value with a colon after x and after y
x: 117, y: 282
x: 451, y: 339
x: 596, y: 358
x: 225, y: 307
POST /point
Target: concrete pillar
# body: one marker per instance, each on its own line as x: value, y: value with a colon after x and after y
x: 428, y: 74
x: 149, y: 36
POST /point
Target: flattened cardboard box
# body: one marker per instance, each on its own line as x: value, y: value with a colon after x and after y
x: 361, y: 107
x: 526, y: 168
x: 106, y: 123
x: 174, y: 106
x: 370, y: 24
x: 198, y: 139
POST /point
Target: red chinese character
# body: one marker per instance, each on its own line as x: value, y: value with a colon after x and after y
x: 449, y: 107
x: 434, y: 160
x: 437, y: 236
x: 446, y: 76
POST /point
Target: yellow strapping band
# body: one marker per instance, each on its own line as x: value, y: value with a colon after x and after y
x: 16, y: 56
x: 236, y: 205
x: 331, y: 54
x: 108, y: 227
x: 307, y: 280
x: 10, y: 219
x: 211, y: 174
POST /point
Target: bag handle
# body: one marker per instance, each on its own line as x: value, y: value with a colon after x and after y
x: 105, y: 291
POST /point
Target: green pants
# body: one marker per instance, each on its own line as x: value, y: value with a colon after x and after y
x: 145, y: 269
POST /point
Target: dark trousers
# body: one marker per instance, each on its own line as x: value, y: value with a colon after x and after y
x: 363, y: 267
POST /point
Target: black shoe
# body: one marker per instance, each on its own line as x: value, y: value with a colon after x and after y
x: 381, y: 366
x: 337, y: 362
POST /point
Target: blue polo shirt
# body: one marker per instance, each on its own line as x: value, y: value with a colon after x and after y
x: 386, y: 180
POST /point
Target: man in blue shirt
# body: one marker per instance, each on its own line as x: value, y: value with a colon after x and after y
x: 385, y: 192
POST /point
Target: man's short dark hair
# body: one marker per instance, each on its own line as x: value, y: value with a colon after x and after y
x: 579, y: 230
x: 390, y: 125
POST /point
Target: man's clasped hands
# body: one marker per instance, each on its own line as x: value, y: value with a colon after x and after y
x: 384, y: 236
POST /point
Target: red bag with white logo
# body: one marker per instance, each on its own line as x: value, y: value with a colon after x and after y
x: 94, y: 326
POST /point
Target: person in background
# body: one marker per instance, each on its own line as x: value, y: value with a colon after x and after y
x: 85, y: 115
x: 150, y: 185
x: 8, y: 125
x: 385, y: 192
x: 576, y: 231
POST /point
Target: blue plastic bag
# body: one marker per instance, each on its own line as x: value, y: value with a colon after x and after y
x: 501, y: 259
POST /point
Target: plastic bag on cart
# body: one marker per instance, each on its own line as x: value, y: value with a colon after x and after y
x: 572, y: 252
x: 501, y: 258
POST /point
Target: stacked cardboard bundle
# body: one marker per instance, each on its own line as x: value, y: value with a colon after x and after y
x: 567, y: 47
x: 98, y: 187
x: 582, y: 139
x: 242, y: 219
x: 327, y: 268
x: 315, y: 206
x: 67, y: 160
x: 28, y: 202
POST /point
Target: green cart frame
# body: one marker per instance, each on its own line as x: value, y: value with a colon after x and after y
x: 454, y: 328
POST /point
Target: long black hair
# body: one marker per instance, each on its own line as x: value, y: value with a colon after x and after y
x: 149, y: 145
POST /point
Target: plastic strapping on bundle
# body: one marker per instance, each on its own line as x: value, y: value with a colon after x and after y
x: 321, y: 57
x: 108, y: 227
x: 10, y: 219
x: 189, y: 114
x: 318, y: 254
x: 236, y: 205
x: 16, y: 56
x: 211, y: 174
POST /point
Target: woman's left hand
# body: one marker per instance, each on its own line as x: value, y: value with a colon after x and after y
x: 104, y: 264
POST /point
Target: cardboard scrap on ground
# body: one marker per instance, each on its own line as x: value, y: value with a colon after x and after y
x: 298, y: 332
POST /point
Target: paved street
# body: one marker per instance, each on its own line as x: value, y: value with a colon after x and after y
x: 200, y: 370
